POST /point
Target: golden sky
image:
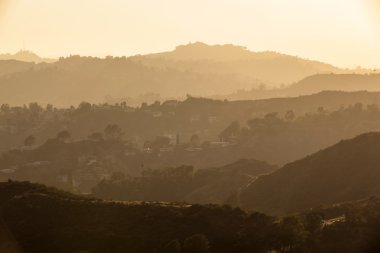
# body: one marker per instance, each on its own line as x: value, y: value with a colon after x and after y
x: 342, y: 32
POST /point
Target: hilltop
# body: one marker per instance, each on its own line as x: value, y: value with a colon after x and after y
x: 344, y: 172
x: 26, y: 56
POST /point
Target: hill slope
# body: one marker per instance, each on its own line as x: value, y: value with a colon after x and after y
x: 349, y: 170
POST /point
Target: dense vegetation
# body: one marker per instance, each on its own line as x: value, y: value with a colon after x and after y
x: 203, y: 117
x: 203, y: 186
x: 282, y: 139
x: 82, y: 155
x: 346, y: 171
x: 44, y: 220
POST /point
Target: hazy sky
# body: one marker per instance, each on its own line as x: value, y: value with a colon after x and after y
x: 342, y: 32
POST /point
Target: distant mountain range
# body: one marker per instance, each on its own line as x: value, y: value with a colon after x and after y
x: 197, y: 69
x: 25, y: 56
x: 347, y: 171
x: 311, y: 85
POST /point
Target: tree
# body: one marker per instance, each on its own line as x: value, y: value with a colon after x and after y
x: 292, y: 234
x: 232, y: 130
x: 313, y: 221
x: 84, y: 107
x: 49, y: 107
x: 5, y: 108
x: 195, y: 140
x: 95, y: 136
x: 29, y: 141
x: 196, y: 244
x: 172, y: 247
x: 117, y: 176
x: 113, y: 132
x: 160, y: 142
x: 63, y: 135
x: 290, y: 115
x: 35, y: 108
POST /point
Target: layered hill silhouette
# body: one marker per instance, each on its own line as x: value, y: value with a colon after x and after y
x: 26, y: 56
x: 313, y: 84
x: 349, y: 170
x: 197, y: 69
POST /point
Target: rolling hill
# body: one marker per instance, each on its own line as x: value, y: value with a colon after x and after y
x: 347, y: 171
x: 197, y: 69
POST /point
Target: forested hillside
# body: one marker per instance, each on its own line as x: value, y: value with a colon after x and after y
x: 346, y: 171
x: 204, y: 117
x: 45, y: 220
x: 77, y: 159
x: 204, y: 186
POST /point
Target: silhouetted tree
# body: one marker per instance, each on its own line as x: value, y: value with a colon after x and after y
x: 84, y: 107
x: 232, y: 130
x: 30, y: 141
x: 195, y: 140
x: 290, y: 115
x: 5, y: 108
x: 172, y: 247
x: 160, y: 142
x: 63, y: 135
x: 95, y: 136
x: 35, y: 108
x: 113, y: 132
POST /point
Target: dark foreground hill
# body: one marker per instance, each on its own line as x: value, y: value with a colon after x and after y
x: 349, y: 170
x: 44, y: 220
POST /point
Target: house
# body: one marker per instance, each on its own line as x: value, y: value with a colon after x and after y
x: 194, y: 149
x: 213, y: 119
x: 157, y: 114
x: 148, y: 150
x: 8, y: 171
x: 170, y: 103
x: 195, y: 118
x: 130, y: 153
x: 172, y: 137
x: 220, y: 144
x: 38, y: 164
x: 166, y: 149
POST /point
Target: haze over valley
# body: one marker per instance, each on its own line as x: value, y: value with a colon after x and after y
x: 189, y: 127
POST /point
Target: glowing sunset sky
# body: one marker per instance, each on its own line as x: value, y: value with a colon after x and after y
x: 341, y: 32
